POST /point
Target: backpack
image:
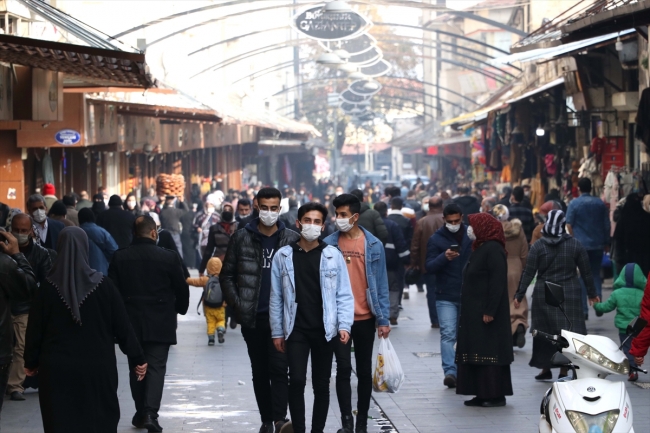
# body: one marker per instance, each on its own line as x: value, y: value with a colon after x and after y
x: 212, y: 294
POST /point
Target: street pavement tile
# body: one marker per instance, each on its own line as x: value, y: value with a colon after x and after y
x: 209, y: 389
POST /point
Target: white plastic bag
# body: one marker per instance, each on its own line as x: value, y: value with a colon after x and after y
x: 389, y: 375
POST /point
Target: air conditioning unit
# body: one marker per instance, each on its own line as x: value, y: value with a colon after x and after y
x: 626, y: 101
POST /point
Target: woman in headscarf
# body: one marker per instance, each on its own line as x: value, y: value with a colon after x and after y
x: 517, y: 249
x: 74, y: 320
x: 484, y: 345
x: 555, y: 258
x: 632, y: 235
x: 206, y: 219
x: 543, y: 214
x: 98, y: 204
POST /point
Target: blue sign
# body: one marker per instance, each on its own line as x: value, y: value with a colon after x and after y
x: 67, y: 137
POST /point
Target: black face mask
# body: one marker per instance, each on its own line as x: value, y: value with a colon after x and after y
x: 226, y: 216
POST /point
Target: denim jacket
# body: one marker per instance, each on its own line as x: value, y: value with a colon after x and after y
x: 589, y: 220
x: 338, y: 302
x: 376, y: 274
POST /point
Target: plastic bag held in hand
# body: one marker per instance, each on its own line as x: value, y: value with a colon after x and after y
x: 389, y: 375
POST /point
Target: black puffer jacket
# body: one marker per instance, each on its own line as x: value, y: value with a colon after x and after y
x: 41, y: 260
x: 370, y: 220
x: 17, y: 283
x: 241, y: 275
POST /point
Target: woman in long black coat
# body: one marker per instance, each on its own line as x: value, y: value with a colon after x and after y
x: 74, y: 321
x: 555, y: 258
x: 484, y: 344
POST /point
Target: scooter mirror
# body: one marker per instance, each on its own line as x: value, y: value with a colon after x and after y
x: 636, y: 326
x: 560, y: 360
x: 553, y: 294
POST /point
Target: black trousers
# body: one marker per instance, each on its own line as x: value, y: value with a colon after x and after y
x: 270, y: 378
x: 148, y: 392
x: 4, y: 378
x: 298, y: 346
x: 363, y: 337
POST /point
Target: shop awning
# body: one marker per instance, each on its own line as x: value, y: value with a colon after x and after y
x: 163, y: 105
x: 613, y: 17
x: 549, y: 53
x: 502, y: 102
x: 444, y: 141
x: 120, y: 68
x: 279, y: 142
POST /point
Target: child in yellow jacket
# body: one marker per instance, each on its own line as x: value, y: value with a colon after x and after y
x: 215, y: 317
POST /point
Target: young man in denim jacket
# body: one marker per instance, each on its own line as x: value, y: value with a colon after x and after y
x: 366, y: 265
x: 311, y: 302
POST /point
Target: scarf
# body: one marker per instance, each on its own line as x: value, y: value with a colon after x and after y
x: 71, y: 274
x: 486, y: 228
x: 555, y: 224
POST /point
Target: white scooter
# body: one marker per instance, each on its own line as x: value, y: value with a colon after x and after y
x: 587, y: 403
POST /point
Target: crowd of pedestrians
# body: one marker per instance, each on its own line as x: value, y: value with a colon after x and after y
x: 306, y: 275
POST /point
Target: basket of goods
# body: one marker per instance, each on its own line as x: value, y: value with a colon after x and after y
x: 170, y: 184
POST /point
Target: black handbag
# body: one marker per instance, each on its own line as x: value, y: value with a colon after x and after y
x: 412, y: 276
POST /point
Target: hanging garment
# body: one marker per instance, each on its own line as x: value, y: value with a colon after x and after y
x: 643, y: 118
x: 48, y: 171
x: 627, y: 183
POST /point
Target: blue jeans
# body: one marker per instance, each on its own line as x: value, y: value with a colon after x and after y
x: 430, y: 281
x: 595, y: 262
x: 448, y: 315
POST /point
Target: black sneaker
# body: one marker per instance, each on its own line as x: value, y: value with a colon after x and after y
x: 210, y: 340
x: 233, y: 323
x: 220, y: 333
x: 494, y: 402
x: 450, y: 381
x: 393, y: 322
x: 267, y: 427
x: 17, y: 396
x: 347, y: 421
x: 520, y: 336
x: 476, y: 402
x: 137, y: 420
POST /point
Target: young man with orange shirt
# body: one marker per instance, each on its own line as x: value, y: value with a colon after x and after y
x: 366, y: 263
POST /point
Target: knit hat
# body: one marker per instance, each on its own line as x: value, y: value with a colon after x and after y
x: 214, y: 266
x: 48, y: 189
x: 555, y: 224
x: 115, y: 200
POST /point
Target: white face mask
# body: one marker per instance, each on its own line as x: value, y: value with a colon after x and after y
x: 310, y: 232
x: 344, y: 224
x: 470, y: 233
x: 21, y: 238
x: 425, y: 207
x: 269, y: 218
x: 130, y: 204
x: 39, y: 215
x: 209, y: 210
x: 452, y: 228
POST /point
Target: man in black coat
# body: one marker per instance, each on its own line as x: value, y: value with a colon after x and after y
x: 467, y: 203
x: 117, y: 221
x: 170, y: 219
x: 370, y: 219
x: 47, y: 229
x: 246, y: 283
x: 40, y: 259
x: 17, y: 283
x: 519, y: 211
x: 152, y: 284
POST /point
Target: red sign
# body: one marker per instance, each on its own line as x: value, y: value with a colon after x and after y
x: 454, y: 149
x: 613, y: 153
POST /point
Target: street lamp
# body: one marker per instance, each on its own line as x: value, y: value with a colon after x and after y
x: 342, y: 54
x: 356, y: 76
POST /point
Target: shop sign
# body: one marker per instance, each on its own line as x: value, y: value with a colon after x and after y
x: 330, y: 26
x: 353, y: 98
x: 364, y: 88
x: 377, y: 70
x: 67, y: 137
x: 358, y: 45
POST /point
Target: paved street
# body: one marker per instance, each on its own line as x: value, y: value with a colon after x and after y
x: 208, y: 389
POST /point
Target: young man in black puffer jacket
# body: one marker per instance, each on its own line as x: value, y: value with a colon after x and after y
x: 246, y: 282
